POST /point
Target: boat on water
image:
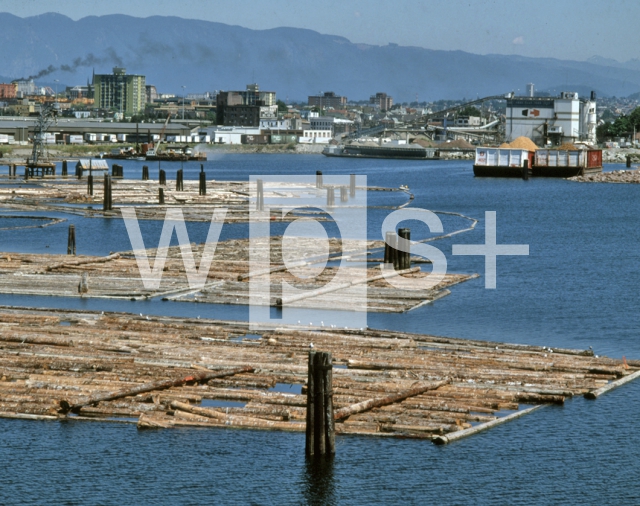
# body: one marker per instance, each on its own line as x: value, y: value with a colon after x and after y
x: 513, y: 162
x: 401, y: 152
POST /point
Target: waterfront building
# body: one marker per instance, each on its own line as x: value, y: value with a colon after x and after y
x: 245, y: 108
x: 555, y: 120
x: 120, y: 92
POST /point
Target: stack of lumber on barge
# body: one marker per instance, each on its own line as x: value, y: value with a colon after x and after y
x: 167, y: 372
x: 117, y: 276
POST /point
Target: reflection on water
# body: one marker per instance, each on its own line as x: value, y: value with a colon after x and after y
x: 319, y: 483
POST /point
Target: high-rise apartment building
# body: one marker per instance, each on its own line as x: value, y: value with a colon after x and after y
x: 123, y: 93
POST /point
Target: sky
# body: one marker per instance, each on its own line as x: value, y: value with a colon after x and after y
x: 563, y: 29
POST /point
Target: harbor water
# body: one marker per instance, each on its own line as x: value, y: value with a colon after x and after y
x: 577, y: 288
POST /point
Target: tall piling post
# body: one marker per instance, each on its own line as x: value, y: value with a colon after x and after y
x: 107, y: 204
x: 331, y: 196
x: 260, y: 195
x: 65, y: 168
x: 329, y: 422
x: 628, y: 161
x: 393, y: 252
x: 320, y: 430
x: 162, y: 177
x: 318, y: 179
x: 90, y: 184
x: 179, y: 181
x: 344, y: 196
x: 160, y: 195
x: 404, y: 261
x: 352, y: 185
x: 71, y: 241
x: 145, y: 173
x: 310, y: 429
x: 320, y: 443
x: 202, y: 186
x: 525, y: 170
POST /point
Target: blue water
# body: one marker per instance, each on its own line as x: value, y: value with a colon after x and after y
x: 577, y: 288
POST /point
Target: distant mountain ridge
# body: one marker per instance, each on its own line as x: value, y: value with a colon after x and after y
x: 294, y: 62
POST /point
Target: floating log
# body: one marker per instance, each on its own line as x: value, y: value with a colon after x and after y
x: 389, y: 399
x: 149, y: 387
x: 594, y: 394
x: 455, y: 436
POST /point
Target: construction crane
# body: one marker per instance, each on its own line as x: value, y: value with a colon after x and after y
x: 48, y: 115
x: 156, y: 149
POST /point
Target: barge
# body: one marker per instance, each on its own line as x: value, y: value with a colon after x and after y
x: 559, y: 163
x: 396, y: 152
x: 502, y: 162
x: 510, y: 162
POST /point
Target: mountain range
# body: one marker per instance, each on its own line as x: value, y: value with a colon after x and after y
x: 204, y: 56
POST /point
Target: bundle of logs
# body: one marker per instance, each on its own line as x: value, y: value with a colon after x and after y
x: 228, y: 280
x: 170, y: 372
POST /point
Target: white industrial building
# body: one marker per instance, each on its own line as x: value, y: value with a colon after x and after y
x: 554, y: 120
x: 228, y: 134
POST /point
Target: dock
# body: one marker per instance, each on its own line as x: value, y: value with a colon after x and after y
x: 162, y: 372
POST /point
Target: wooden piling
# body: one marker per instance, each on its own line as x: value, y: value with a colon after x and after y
x: 318, y: 179
x: 525, y: 170
x: 331, y: 197
x: 310, y: 430
x: 628, y: 161
x: 71, y: 241
x: 162, y: 178
x: 404, y: 257
x: 329, y: 422
x: 145, y: 173
x: 90, y: 184
x: 352, y: 185
x: 260, y: 195
x: 107, y: 201
x: 202, y: 186
x: 344, y: 196
x: 65, y: 168
x: 161, y: 195
x: 179, y: 181
x: 387, y: 248
x: 320, y: 430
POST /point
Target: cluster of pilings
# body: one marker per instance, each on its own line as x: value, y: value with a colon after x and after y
x: 394, y: 255
x: 320, y: 429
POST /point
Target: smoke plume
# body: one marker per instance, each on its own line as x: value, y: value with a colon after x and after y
x: 87, y: 61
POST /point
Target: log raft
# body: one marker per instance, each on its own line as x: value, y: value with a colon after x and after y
x: 176, y: 372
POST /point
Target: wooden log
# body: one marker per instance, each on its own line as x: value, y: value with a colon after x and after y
x: 455, y: 436
x: 237, y: 421
x: 594, y: 394
x: 148, y: 387
x: 390, y: 399
x: 83, y: 261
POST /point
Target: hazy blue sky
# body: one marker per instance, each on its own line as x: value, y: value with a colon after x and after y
x: 566, y: 29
